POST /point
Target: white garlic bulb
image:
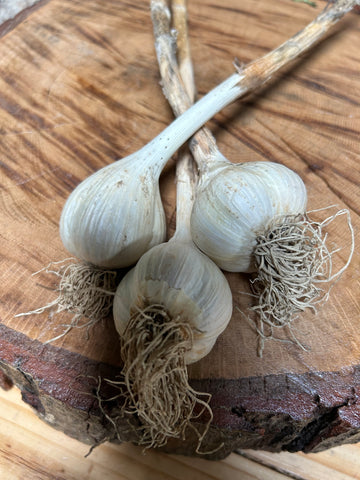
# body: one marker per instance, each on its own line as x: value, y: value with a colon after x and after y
x: 235, y: 203
x: 115, y: 215
x: 178, y: 276
x: 186, y: 283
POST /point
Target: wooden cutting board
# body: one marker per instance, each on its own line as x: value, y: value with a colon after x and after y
x: 79, y: 88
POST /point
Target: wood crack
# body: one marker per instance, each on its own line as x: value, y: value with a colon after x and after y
x: 312, y: 431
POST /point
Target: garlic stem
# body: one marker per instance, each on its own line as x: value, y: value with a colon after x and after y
x: 186, y: 179
x: 177, y: 73
x: 203, y: 146
x: 248, y: 78
x: 183, y: 127
x: 179, y: 20
x: 259, y: 70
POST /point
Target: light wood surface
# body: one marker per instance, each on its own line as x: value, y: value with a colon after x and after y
x: 33, y: 450
x: 80, y: 88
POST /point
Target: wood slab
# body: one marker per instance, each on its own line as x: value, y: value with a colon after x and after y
x: 79, y: 88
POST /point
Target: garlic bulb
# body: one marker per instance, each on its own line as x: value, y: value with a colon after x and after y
x: 236, y: 203
x: 169, y: 310
x: 115, y: 215
x: 187, y: 283
x: 104, y: 220
x: 178, y: 276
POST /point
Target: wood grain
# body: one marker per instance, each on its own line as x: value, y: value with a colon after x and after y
x: 80, y: 88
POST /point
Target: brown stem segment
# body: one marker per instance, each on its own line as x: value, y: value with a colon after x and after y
x: 260, y: 70
x: 179, y: 20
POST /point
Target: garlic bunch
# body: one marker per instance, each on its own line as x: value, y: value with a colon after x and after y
x: 115, y: 215
x: 169, y: 310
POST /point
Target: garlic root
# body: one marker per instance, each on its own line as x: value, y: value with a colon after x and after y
x: 153, y: 349
x: 293, y: 261
x: 84, y: 290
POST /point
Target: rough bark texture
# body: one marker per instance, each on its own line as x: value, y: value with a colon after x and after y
x: 308, y: 412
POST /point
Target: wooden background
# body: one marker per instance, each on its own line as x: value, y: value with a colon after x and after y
x: 79, y: 88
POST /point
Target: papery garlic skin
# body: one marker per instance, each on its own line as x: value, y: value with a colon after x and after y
x: 124, y: 218
x: 186, y: 283
x: 236, y: 203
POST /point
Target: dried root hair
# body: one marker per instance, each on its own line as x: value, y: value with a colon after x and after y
x: 293, y: 264
x: 83, y: 289
x: 157, y: 391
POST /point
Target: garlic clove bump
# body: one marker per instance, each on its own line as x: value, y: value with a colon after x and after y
x: 115, y: 215
x: 239, y: 202
x: 188, y: 285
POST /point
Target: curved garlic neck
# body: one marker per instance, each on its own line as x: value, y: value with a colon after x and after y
x: 164, y: 145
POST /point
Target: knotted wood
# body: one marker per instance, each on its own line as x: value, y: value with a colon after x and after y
x: 79, y: 88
